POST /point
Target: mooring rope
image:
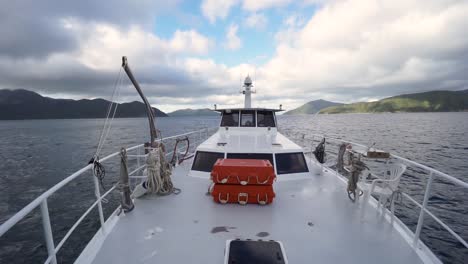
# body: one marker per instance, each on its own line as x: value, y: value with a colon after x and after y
x: 159, y: 173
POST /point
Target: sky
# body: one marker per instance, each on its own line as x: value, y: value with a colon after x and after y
x: 193, y: 54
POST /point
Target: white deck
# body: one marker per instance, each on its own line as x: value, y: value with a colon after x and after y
x: 314, y: 219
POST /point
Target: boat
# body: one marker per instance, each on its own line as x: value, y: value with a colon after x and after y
x: 315, y: 216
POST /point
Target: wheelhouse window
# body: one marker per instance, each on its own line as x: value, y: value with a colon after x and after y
x: 265, y: 119
x: 290, y: 163
x: 204, y: 160
x: 248, y: 118
x: 260, y: 156
x: 230, y: 119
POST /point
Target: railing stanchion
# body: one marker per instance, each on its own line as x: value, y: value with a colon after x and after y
x: 427, y: 193
x: 138, y: 165
x: 48, y: 231
x: 97, y: 192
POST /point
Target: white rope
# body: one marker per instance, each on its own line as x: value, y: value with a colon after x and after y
x: 158, y: 172
x: 108, y: 123
x: 113, y: 115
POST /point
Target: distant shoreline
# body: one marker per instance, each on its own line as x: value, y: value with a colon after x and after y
x: 208, y: 116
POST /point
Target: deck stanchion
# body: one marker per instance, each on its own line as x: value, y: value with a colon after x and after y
x: 423, y: 208
x: 48, y: 231
x: 98, y: 197
x: 138, y: 165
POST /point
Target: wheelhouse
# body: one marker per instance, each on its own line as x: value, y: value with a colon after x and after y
x: 250, y: 133
x: 248, y: 117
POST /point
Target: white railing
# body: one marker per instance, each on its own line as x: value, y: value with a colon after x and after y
x: 41, y: 201
x: 432, y: 173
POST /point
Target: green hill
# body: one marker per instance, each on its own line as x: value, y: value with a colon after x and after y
x: 24, y: 104
x: 311, y: 107
x: 434, y: 101
x: 194, y: 112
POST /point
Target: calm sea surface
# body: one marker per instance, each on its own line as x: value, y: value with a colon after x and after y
x: 36, y: 154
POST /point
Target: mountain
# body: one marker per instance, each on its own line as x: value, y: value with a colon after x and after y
x: 24, y: 104
x: 433, y: 101
x: 194, y: 112
x: 311, y: 107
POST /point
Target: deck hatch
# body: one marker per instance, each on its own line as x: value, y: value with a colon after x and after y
x: 255, y: 251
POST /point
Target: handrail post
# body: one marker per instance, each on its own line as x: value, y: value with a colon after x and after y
x: 98, y: 197
x: 138, y: 165
x: 48, y: 231
x: 423, y: 208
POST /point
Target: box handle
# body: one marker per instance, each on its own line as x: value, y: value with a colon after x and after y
x: 246, y: 195
x: 223, y: 180
x: 223, y: 201
x: 264, y: 201
x: 243, y: 182
x: 263, y: 182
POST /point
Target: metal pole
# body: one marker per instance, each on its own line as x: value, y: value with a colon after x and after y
x: 98, y: 197
x: 48, y: 231
x: 149, y: 109
x: 421, y: 214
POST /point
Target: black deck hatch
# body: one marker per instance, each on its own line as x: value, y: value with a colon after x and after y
x: 255, y: 251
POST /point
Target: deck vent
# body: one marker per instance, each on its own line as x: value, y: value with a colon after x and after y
x: 254, y: 251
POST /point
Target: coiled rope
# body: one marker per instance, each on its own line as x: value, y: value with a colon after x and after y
x: 159, y: 172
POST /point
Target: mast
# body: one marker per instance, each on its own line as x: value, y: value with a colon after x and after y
x: 149, y: 109
x: 248, y: 92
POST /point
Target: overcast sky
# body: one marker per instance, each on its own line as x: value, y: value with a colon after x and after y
x: 194, y: 54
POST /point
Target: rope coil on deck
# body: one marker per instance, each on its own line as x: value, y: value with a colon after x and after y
x: 159, y: 173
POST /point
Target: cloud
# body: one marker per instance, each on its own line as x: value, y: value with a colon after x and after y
x: 90, y: 70
x: 346, y: 51
x: 190, y: 41
x: 354, y: 49
x: 232, y: 41
x: 256, y: 5
x: 39, y: 31
x: 256, y: 20
x: 214, y: 9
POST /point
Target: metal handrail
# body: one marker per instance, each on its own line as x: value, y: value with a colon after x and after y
x: 42, y: 200
x: 423, y: 206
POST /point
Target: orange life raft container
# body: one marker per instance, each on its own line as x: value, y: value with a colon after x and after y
x: 243, y: 181
x: 243, y: 172
x: 243, y: 194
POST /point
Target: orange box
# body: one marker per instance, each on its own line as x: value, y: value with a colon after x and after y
x: 243, y: 194
x: 243, y: 172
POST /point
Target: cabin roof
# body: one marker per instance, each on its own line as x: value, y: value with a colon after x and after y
x: 246, y: 109
x: 249, y: 142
